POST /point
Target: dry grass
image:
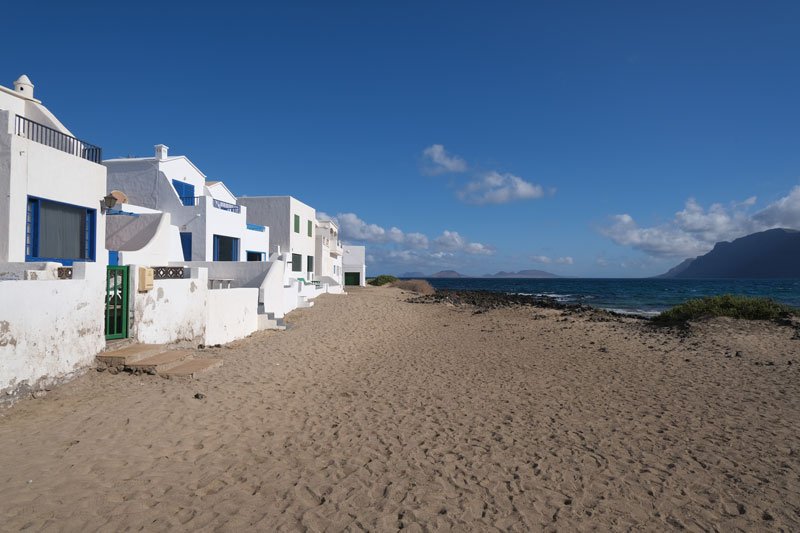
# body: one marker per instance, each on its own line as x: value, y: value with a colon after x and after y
x: 414, y: 285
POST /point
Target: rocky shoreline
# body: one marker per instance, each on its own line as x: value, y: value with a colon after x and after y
x: 485, y: 300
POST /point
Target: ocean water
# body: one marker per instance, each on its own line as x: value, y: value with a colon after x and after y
x: 636, y: 296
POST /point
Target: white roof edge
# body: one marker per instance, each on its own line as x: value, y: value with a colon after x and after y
x: 222, y: 183
x: 15, y: 93
x: 167, y: 160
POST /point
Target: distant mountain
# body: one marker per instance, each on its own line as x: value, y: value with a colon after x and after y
x: 523, y: 274
x: 447, y: 274
x: 412, y: 275
x: 773, y: 253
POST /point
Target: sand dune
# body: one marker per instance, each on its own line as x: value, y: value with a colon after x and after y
x: 373, y: 413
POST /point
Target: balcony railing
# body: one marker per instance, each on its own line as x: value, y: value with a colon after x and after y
x: 190, y: 200
x: 55, y: 139
x: 225, y: 206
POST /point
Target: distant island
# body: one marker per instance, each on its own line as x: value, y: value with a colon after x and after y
x: 767, y: 254
x: 538, y: 274
x: 447, y: 274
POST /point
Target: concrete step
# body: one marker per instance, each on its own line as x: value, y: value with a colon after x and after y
x: 160, y: 362
x: 266, y: 322
x: 129, y: 354
x: 191, y: 368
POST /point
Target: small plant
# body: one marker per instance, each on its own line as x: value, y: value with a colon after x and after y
x: 729, y: 305
x: 382, y: 280
x: 414, y: 285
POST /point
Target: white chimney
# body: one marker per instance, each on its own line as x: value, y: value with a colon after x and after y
x: 161, y: 151
x: 24, y: 87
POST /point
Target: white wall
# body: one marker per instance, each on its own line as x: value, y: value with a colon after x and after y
x: 277, y: 213
x: 243, y: 274
x: 354, y: 260
x: 231, y: 314
x: 174, y: 310
x: 50, y: 330
x: 148, y: 239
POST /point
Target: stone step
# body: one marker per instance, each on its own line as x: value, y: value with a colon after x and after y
x: 129, y: 354
x: 161, y: 362
x: 267, y: 322
x: 191, y: 368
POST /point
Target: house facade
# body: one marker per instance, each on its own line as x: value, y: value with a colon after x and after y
x: 211, y: 225
x: 52, y: 234
x: 51, y: 185
x: 292, y: 228
x: 329, y: 252
x: 354, y: 265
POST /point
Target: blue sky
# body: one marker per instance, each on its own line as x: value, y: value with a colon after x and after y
x: 584, y: 138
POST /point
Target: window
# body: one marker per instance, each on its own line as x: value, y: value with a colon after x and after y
x: 297, y: 223
x: 186, y: 244
x: 256, y: 256
x: 310, y: 263
x: 226, y: 248
x: 297, y: 263
x: 310, y: 228
x: 185, y: 192
x: 59, y: 232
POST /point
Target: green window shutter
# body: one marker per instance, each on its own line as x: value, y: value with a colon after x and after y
x: 297, y: 223
x: 310, y: 228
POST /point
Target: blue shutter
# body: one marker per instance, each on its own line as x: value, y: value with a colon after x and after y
x: 185, y: 192
x: 186, y: 245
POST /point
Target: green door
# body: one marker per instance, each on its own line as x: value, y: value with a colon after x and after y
x: 116, y: 302
x: 352, y: 278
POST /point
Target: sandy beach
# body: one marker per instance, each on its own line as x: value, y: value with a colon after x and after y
x: 373, y: 413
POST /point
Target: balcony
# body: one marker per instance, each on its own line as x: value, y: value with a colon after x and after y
x: 191, y: 201
x: 47, y: 136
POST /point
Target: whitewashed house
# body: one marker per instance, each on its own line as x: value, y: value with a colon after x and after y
x: 328, y: 263
x: 292, y: 227
x: 210, y: 224
x: 354, y: 264
x: 52, y: 258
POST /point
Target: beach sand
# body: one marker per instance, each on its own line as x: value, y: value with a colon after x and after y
x: 373, y: 413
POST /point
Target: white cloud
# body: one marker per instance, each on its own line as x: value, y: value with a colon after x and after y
x: 497, y: 188
x: 353, y: 228
x: 694, y: 230
x: 546, y: 260
x: 438, y: 161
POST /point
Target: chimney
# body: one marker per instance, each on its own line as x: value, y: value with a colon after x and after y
x: 161, y: 151
x: 24, y: 87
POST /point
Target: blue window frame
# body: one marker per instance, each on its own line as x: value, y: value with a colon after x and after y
x: 256, y: 256
x: 226, y: 248
x: 55, y: 231
x: 113, y: 258
x: 186, y: 244
x: 185, y: 192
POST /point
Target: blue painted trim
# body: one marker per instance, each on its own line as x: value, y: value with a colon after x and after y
x: 185, y: 192
x: 32, y: 233
x: 186, y: 245
x: 256, y: 227
x: 262, y: 254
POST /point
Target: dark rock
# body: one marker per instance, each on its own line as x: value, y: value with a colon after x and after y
x: 199, y: 396
x: 741, y: 508
x: 766, y: 516
x: 739, y: 354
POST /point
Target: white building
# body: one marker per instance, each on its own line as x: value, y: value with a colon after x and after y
x: 328, y: 263
x: 52, y: 234
x: 354, y: 264
x: 211, y: 225
x: 292, y: 227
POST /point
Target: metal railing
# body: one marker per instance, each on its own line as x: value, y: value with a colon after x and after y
x: 225, y: 206
x: 256, y: 227
x: 55, y: 139
x: 190, y: 200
